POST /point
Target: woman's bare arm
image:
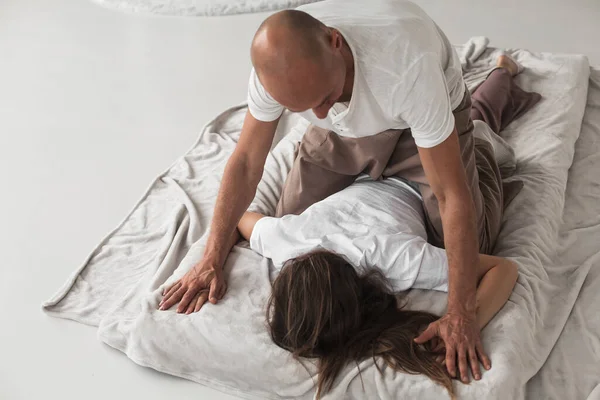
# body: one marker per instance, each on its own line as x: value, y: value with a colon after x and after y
x: 247, y: 222
x: 497, y: 277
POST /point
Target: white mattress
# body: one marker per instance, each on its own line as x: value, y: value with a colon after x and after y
x: 227, y: 347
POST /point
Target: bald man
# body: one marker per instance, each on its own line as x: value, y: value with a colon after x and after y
x: 383, y: 89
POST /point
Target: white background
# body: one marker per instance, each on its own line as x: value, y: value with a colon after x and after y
x: 93, y: 105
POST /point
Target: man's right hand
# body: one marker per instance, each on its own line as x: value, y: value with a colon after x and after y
x: 203, y: 282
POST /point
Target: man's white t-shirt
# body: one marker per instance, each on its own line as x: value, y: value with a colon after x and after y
x: 406, y: 72
x: 371, y: 224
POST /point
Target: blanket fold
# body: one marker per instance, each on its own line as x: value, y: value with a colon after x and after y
x: 226, y: 346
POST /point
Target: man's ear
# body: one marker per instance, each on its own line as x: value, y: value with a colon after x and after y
x: 336, y: 39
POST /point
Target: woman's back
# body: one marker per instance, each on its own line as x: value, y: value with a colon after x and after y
x: 370, y: 223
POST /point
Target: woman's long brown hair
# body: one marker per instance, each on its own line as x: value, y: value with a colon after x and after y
x: 322, y: 308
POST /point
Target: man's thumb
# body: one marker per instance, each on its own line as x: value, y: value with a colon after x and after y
x: 213, y: 294
x: 427, y: 335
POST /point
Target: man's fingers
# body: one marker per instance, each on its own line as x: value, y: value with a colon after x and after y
x: 223, y: 289
x: 201, y: 300
x: 214, y: 290
x: 190, y: 307
x: 169, y: 292
x: 441, y: 359
x: 474, y: 363
x: 172, y: 299
x: 168, y: 288
x: 186, y: 299
x: 451, y: 361
x: 217, y: 290
x: 427, y: 335
x: 463, y: 366
x: 440, y: 346
x: 485, y: 360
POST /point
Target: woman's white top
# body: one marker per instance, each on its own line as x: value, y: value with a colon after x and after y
x: 371, y: 224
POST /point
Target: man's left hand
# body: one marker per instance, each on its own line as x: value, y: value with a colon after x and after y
x: 461, y: 336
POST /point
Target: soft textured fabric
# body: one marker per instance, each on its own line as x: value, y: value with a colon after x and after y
x: 370, y: 223
x: 572, y: 371
x: 406, y: 73
x: 227, y: 347
x: 504, y: 153
x: 200, y: 8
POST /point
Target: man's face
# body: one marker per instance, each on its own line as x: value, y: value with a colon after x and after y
x: 332, y: 89
x: 310, y: 86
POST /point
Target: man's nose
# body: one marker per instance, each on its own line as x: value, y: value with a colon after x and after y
x: 322, y: 112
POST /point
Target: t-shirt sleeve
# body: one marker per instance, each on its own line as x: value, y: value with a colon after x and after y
x: 274, y: 238
x: 260, y: 103
x: 433, y: 269
x: 423, y: 102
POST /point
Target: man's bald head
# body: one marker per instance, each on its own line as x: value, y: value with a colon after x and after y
x: 286, y: 38
x: 298, y: 59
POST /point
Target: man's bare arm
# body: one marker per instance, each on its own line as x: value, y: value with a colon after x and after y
x: 238, y: 187
x: 446, y: 175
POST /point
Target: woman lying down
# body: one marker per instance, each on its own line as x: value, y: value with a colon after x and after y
x: 343, y: 261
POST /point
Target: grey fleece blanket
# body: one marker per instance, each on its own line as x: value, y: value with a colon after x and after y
x: 227, y: 346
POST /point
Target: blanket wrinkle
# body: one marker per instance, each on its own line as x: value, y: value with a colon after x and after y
x: 118, y: 287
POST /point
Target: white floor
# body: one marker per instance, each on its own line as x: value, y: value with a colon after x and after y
x: 93, y: 105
